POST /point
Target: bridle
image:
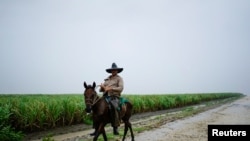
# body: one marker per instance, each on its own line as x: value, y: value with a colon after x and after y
x: 92, y: 101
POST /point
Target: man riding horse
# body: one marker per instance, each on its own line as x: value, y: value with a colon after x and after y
x: 112, y: 88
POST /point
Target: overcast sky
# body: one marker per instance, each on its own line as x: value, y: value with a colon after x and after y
x: 164, y: 46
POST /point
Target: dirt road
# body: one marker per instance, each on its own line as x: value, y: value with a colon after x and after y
x: 195, y: 128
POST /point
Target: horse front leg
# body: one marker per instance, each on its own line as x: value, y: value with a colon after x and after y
x: 104, y: 134
x: 96, y: 136
x: 100, y: 130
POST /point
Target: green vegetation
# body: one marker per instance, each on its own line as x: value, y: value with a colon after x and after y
x: 146, y: 103
x: 7, y: 133
x: 28, y: 113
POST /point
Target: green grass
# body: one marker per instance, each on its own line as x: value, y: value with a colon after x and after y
x: 29, y: 113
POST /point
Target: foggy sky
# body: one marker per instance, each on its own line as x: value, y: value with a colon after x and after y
x: 164, y: 46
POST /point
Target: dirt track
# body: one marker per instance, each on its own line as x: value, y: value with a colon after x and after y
x: 169, y: 127
x: 195, y: 128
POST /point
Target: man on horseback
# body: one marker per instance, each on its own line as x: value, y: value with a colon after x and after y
x: 112, y: 88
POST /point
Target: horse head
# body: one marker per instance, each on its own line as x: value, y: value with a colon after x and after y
x: 90, y: 96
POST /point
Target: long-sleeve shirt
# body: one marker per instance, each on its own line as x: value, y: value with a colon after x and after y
x: 116, y: 83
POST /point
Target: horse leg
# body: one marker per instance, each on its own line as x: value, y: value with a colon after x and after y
x: 131, y: 131
x: 128, y: 126
x: 127, y: 115
x: 100, y: 130
x: 96, y: 136
x: 97, y: 132
x: 125, y: 130
x: 104, y: 134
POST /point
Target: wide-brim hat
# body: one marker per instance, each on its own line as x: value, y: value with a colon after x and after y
x: 114, y: 67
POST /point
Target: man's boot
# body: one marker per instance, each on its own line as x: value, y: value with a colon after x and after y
x: 115, y: 131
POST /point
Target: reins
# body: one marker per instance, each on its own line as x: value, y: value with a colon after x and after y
x: 96, y: 99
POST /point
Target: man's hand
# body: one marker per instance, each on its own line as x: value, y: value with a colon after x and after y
x: 102, y: 86
x: 106, y: 89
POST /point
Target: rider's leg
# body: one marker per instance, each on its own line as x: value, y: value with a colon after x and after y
x: 115, y: 115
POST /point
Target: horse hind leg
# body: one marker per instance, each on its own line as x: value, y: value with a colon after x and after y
x: 125, y: 118
x: 128, y: 126
x: 131, y: 131
x: 125, y: 130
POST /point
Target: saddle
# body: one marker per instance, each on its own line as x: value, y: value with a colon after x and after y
x: 121, y: 108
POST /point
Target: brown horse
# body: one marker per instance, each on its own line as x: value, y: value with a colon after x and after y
x: 101, y: 112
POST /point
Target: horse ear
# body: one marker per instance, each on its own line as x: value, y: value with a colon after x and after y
x: 94, y: 84
x: 84, y: 84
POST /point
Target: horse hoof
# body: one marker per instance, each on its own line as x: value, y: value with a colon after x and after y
x: 92, y: 134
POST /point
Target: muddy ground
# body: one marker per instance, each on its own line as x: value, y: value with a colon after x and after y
x: 180, y: 124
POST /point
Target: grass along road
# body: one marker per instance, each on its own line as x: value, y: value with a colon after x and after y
x: 140, y: 122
